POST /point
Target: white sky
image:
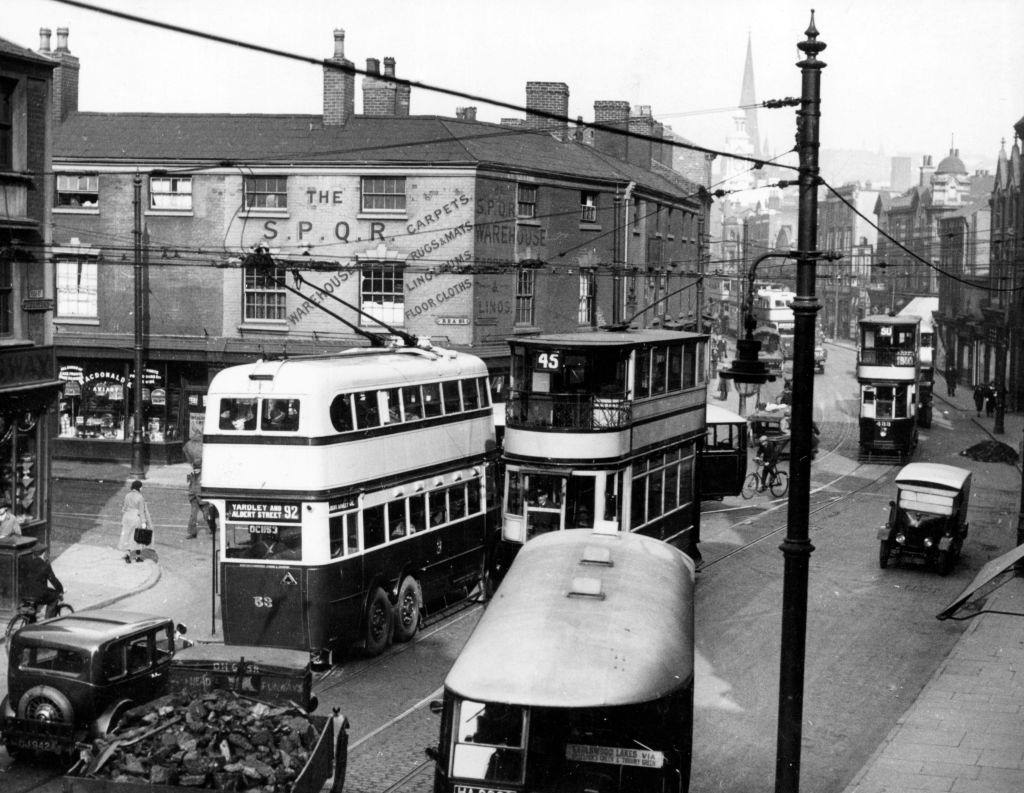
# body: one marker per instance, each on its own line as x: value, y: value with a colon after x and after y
x: 903, y: 76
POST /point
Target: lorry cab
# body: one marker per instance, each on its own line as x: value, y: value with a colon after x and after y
x: 928, y: 519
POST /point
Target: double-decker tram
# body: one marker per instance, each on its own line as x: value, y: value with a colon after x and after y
x: 926, y: 358
x: 771, y: 348
x: 579, y: 675
x: 723, y: 457
x: 888, y: 374
x: 601, y: 431
x: 353, y: 490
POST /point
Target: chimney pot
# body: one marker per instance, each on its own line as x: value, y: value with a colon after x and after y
x: 339, y: 43
x: 389, y: 67
x: 44, y: 39
x: 62, y: 39
x: 372, y: 66
x: 466, y: 113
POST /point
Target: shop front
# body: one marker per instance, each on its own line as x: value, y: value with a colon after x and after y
x: 28, y: 388
x: 95, y: 414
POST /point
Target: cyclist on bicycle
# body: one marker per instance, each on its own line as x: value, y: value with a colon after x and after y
x: 37, y: 575
x: 765, y: 459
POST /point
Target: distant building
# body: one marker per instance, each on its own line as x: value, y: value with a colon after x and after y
x: 1005, y: 309
x: 449, y: 228
x: 28, y: 379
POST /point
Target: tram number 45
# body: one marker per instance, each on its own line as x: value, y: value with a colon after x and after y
x: 549, y: 360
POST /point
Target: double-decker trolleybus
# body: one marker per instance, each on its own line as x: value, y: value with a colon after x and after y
x: 888, y: 374
x: 579, y: 675
x: 352, y: 491
x: 601, y: 431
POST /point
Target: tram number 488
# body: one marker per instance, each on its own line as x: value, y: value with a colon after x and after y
x: 549, y: 360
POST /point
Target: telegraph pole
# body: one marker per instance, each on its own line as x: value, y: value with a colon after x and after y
x: 797, y: 547
x: 137, y: 470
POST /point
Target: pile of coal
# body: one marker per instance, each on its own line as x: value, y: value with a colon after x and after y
x: 991, y: 451
x: 216, y: 741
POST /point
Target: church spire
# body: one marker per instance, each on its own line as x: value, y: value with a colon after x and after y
x: 748, y: 96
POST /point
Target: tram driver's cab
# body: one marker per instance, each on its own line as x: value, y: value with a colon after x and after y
x: 541, y: 502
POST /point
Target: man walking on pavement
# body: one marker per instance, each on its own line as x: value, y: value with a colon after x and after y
x: 979, y: 397
x: 196, y: 505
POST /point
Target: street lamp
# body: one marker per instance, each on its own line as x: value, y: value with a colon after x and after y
x: 797, y: 547
x: 747, y: 371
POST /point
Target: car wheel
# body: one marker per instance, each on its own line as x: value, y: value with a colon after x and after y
x: 944, y: 562
x: 408, y: 609
x: 45, y: 703
x: 378, y: 622
x: 884, y: 548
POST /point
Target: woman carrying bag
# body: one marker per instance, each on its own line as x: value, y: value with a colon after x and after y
x: 136, y: 524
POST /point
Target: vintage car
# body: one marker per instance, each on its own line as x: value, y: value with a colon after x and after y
x: 69, y: 679
x: 820, y: 356
x: 928, y: 519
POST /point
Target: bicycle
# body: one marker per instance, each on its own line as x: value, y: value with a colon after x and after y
x: 28, y: 613
x: 776, y: 481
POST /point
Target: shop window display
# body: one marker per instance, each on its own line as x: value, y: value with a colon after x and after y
x: 19, y: 464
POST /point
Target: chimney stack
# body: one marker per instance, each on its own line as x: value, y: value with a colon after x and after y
x: 641, y: 122
x: 339, y: 85
x: 65, y: 76
x: 611, y: 113
x: 927, y: 169
x: 383, y: 97
x: 551, y: 98
x: 466, y: 113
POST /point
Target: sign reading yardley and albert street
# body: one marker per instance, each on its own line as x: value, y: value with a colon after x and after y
x: 269, y: 512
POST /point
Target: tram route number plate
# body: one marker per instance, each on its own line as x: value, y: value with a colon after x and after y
x: 614, y: 755
x: 269, y: 512
x: 475, y: 789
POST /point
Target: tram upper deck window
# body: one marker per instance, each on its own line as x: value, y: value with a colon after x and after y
x: 367, y: 410
x: 341, y: 413
x: 450, y: 396
x: 432, y: 399
x: 470, y: 394
x: 412, y: 402
x: 238, y: 414
x: 489, y: 742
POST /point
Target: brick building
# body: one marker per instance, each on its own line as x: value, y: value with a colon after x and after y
x: 28, y: 384
x: 463, y: 231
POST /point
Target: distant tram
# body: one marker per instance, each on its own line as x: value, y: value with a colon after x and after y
x: 353, y: 490
x: 772, y: 352
x: 926, y: 358
x: 888, y: 374
x: 601, y: 431
x: 579, y: 676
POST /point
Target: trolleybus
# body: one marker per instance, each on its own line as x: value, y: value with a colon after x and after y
x: 601, y: 431
x: 888, y: 375
x: 579, y: 675
x: 352, y: 489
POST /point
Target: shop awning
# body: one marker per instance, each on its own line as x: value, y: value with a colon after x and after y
x: 990, y: 577
x: 35, y: 397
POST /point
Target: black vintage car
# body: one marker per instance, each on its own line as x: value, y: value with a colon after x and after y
x: 71, y: 678
x: 928, y: 519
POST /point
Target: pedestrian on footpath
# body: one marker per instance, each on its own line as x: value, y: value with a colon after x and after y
x: 990, y: 400
x: 196, y: 505
x: 9, y: 526
x: 979, y: 397
x: 134, y: 515
x: 951, y: 380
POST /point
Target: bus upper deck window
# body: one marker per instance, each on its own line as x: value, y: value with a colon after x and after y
x: 431, y: 399
x: 280, y: 415
x: 367, y: 411
x: 450, y: 393
x: 238, y: 414
x: 391, y: 411
x: 341, y: 413
x: 470, y: 394
x: 412, y: 403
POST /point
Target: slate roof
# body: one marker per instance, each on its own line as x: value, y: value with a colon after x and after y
x: 10, y: 48
x: 295, y: 140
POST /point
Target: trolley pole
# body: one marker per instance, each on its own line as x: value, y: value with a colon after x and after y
x: 797, y: 547
x: 137, y: 470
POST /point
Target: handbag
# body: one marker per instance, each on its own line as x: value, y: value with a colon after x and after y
x: 143, y: 536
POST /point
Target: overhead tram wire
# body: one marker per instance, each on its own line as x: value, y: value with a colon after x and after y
x: 398, y: 81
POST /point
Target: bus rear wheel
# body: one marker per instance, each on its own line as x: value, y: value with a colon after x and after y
x: 379, y: 622
x: 408, y: 609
